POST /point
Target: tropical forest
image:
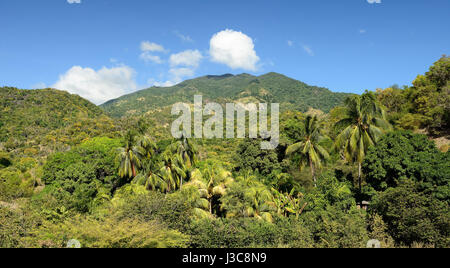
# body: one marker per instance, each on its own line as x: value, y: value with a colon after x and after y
x: 349, y: 168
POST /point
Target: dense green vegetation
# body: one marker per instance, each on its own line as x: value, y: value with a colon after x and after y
x: 126, y: 183
x: 245, y: 88
x: 424, y: 105
x: 39, y: 122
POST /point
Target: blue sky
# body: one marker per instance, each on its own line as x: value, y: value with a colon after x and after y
x: 101, y: 49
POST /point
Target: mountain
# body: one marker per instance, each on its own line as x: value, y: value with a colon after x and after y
x: 40, y: 119
x: 245, y: 88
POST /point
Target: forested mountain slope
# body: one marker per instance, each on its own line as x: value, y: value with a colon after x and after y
x: 270, y: 88
x: 38, y: 118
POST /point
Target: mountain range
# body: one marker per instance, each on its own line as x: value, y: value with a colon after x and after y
x: 47, y: 118
x: 244, y: 88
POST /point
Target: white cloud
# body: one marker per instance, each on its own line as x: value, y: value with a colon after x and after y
x: 147, y: 57
x: 186, y: 58
x: 147, y: 48
x: 189, y: 60
x: 151, y: 47
x: 177, y: 75
x: 234, y: 49
x: 153, y: 82
x: 181, y: 72
x: 74, y: 1
x: 308, y: 50
x: 362, y: 31
x: 184, y: 38
x: 374, y: 1
x: 290, y: 43
x: 98, y: 86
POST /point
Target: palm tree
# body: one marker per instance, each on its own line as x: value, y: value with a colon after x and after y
x: 365, y: 123
x: 309, y: 148
x: 149, y: 177
x: 199, y: 198
x: 173, y: 172
x: 258, y: 203
x: 130, y: 156
x: 148, y: 145
x: 211, y: 185
x: 248, y: 178
x: 186, y: 149
x: 218, y: 180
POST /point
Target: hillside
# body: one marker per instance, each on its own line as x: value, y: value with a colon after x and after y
x: 37, y: 119
x: 271, y: 88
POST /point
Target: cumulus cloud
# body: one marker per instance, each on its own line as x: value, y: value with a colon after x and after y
x: 148, y: 48
x: 186, y: 58
x: 98, y: 86
x: 183, y: 65
x: 374, y: 1
x: 147, y: 57
x: 177, y: 75
x: 181, y: 72
x: 234, y: 49
x: 151, y: 47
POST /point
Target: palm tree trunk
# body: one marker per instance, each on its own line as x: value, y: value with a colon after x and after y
x: 133, y: 170
x: 359, y: 176
x: 313, y: 173
x: 210, y: 206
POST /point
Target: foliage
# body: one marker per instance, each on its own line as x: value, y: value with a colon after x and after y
x: 425, y: 104
x: 248, y: 232
x: 5, y: 160
x: 403, y: 155
x: 309, y: 149
x: 413, y: 216
x: 47, y: 119
x: 79, y: 175
x: 108, y: 233
x: 14, y: 226
x: 364, y: 124
x: 68, y: 171
x: 14, y: 184
x: 250, y: 156
x: 268, y: 88
x: 244, y: 200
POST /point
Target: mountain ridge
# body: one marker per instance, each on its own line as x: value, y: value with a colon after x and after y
x: 43, y: 119
x: 271, y: 87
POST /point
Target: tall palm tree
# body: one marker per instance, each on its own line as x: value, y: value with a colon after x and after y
x: 186, y: 149
x: 309, y: 149
x: 130, y: 156
x: 150, y: 177
x: 148, y: 146
x: 211, y: 184
x: 258, y: 203
x: 365, y: 123
x: 173, y: 172
x: 199, y: 197
x: 217, y: 182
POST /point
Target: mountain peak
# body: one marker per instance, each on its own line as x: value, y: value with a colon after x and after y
x: 268, y: 88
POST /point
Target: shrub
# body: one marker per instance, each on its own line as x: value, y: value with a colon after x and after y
x: 108, y: 232
x: 403, y: 155
x: 413, y: 216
